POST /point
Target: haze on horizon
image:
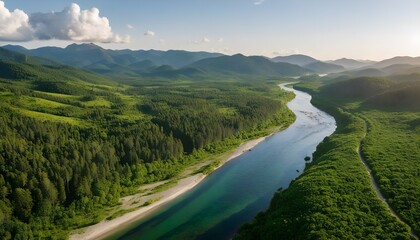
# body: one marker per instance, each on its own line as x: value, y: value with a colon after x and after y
x: 324, y: 29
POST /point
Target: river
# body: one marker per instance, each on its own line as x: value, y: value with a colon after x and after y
x: 236, y: 192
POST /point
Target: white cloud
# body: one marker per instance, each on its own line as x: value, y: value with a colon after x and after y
x: 204, y: 40
x: 226, y: 50
x: 74, y: 24
x: 259, y: 2
x: 70, y: 24
x: 284, y: 52
x: 149, y: 33
x: 14, y: 26
x: 129, y: 26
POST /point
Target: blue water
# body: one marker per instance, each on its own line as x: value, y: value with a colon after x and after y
x: 236, y: 192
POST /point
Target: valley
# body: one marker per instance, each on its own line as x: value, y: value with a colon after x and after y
x: 202, y: 120
x: 336, y: 182
x: 83, y: 146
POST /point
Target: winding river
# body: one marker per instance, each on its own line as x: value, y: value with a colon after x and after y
x: 236, y: 192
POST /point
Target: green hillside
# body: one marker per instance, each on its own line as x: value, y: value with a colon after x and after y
x: 323, y: 68
x: 83, y: 55
x: 297, y: 59
x: 397, y: 60
x: 73, y: 142
x: 405, y: 99
x: 351, y: 63
x: 333, y: 198
x: 133, y: 64
x: 358, y: 88
x: 6, y: 55
x: 249, y: 66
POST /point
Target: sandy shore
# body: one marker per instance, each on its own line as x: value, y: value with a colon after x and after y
x: 107, y: 227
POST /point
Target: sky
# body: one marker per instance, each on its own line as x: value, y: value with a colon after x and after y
x: 324, y: 29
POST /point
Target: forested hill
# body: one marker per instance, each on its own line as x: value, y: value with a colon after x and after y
x: 249, y: 66
x: 73, y: 142
x: 172, y: 64
x: 6, y: 55
x: 310, y: 63
x: 82, y: 55
x: 379, y: 119
x: 119, y: 63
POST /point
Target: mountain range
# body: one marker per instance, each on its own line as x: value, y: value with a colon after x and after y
x: 83, y: 55
x: 310, y: 63
x: 351, y: 63
x: 163, y: 64
x: 251, y: 66
x: 179, y: 63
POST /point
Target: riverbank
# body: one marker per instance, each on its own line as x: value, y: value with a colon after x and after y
x: 336, y: 181
x: 149, y: 200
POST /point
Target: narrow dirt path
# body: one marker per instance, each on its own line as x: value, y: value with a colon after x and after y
x: 375, y: 185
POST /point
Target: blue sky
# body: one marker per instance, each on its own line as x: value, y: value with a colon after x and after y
x: 325, y: 29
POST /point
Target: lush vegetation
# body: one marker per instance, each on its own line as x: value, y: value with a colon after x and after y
x: 392, y: 149
x: 333, y: 198
x: 73, y: 142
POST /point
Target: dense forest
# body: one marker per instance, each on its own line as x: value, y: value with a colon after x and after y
x: 333, y: 198
x: 74, y: 142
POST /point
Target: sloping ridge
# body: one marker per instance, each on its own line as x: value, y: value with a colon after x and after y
x: 406, y: 98
x: 375, y: 185
x: 362, y: 87
x: 253, y: 65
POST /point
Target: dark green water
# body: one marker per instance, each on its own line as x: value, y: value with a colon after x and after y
x: 236, y: 192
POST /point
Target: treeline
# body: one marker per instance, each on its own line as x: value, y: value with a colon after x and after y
x: 197, y: 121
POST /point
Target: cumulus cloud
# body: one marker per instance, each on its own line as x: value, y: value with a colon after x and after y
x: 259, y: 2
x: 149, y: 33
x: 205, y: 40
x: 129, y: 26
x: 72, y: 24
x: 14, y: 25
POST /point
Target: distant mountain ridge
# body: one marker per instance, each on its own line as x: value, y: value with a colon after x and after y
x: 324, y: 68
x: 83, y: 55
x: 13, y: 56
x: 162, y: 64
x: 135, y: 63
x: 297, y: 59
x: 310, y: 63
x: 351, y: 63
x: 398, y: 60
x: 252, y: 66
x: 17, y: 67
